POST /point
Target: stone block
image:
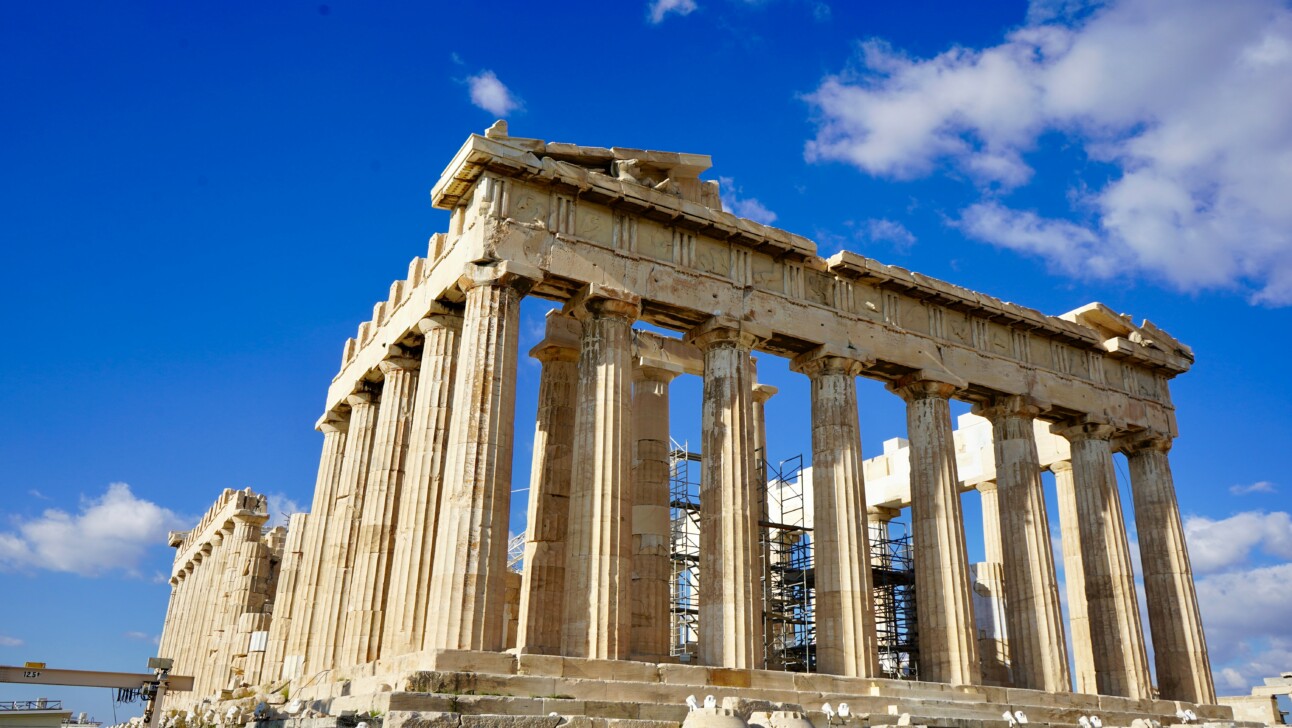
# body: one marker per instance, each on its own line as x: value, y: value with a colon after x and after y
x: 725, y: 677
x: 419, y: 702
x: 501, y: 705
x: 494, y: 663
x: 774, y: 679
x: 684, y: 674
x: 420, y: 719
x: 523, y: 685
x: 509, y: 721
x: 546, y: 665
x: 610, y: 709
x: 674, y: 713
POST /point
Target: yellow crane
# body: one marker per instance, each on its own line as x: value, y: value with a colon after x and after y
x: 151, y: 685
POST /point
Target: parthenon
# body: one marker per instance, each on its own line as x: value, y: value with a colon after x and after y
x: 400, y: 570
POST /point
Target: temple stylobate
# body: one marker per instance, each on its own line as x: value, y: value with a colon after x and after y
x: 403, y: 559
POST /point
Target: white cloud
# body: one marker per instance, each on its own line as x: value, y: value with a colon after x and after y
x: 744, y: 207
x: 281, y: 507
x: 142, y: 637
x: 659, y: 9
x: 889, y: 231
x: 109, y: 533
x: 7, y: 641
x: 1245, y: 605
x: 1263, y: 486
x: 1219, y: 544
x: 1187, y: 100
x: 492, y: 95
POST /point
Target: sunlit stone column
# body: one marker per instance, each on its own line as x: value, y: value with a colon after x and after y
x: 761, y: 394
x: 991, y: 545
x: 407, y: 610
x: 948, y: 638
x: 1116, y: 638
x: 376, y: 536
x: 1037, y: 647
x: 1074, y: 578
x: 1179, y: 647
x: 288, y: 594
x: 313, y: 564
x: 542, y: 586
x: 652, y: 565
x: 731, y: 622
x: 468, y: 580
x: 599, y: 548
x: 338, y: 548
x: 845, y: 620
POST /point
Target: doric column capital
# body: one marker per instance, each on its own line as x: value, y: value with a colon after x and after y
x: 501, y: 274
x: 1086, y: 428
x: 882, y: 513
x: 1143, y: 441
x: 440, y: 316
x: 397, y: 360
x: 1011, y: 405
x: 926, y: 384
x: 655, y: 370
x: 596, y: 301
x: 1061, y: 466
x: 985, y: 486
x: 333, y: 421
x: 549, y: 350
x: 364, y: 396
x: 832, y: 359
x: 763, y: 392
x: 725, y: 332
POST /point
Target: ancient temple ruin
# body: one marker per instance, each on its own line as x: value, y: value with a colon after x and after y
x: 396, y: 583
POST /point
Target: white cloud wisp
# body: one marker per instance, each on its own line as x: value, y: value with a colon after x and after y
x: 743, y: 206
x: 660, y: 9
x: 1189, y: 102
x: 492, y: 95
x: 110, y: 533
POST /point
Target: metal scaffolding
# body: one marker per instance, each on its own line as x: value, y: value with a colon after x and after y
x: 684, y: 540
x: 788, y: 576
x: 789, y: 638
x: 893, y: 582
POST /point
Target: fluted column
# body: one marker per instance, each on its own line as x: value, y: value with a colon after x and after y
x: 948, y: 638
x: 1037, y: 647
x: 1116, y: 637
x: 542, y: 584
x: 845, y: 619
x: 376, y: 535
x: 313, y: 564
x: 991, y: 537
x: 761, y: 394
x: 652, y: 565
x: 1074, y: 578
x: 599, y: 549
x: 468, y: 580
x: 407, y: 609
x: 731, y: 621
x: 342, y: 528
x: 1179, y: 646
x: 290, y: 591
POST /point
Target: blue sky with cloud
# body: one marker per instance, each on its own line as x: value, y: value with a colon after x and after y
x: 203, y: 202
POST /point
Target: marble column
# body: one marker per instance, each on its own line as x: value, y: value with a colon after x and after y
x: 407, y: 609
x: 299, y: 643
x: 599, y: 546
x: 652, y: 563
x: 542, y: 586
x: 991, y: 545
x: 376, y: 535
x: 948, y: 638
x: 338, y: 550
x: 1074, y: 578
x: 731, y: 620
x: 1116, y: 637
x: 1037, y: 646
x: 469, y: 576
x: 761, y: 394
x: 286, y: 597
x: 1179, y: 647
x: 845, y: 619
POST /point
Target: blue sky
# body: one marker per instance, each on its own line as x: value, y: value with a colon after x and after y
x: 201, y: 202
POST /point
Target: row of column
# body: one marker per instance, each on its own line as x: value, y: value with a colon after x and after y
x: 1107, y: 637
x: 431, y: 453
